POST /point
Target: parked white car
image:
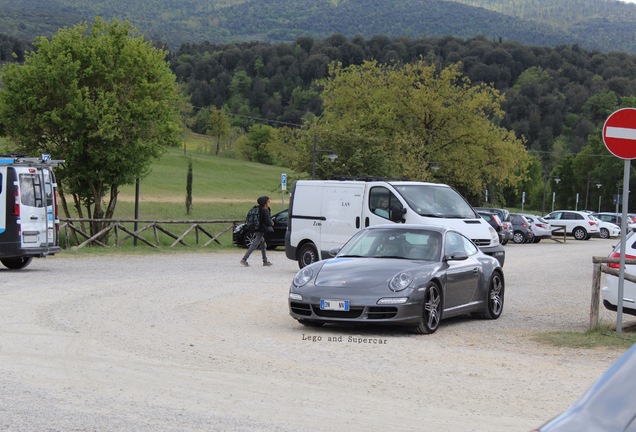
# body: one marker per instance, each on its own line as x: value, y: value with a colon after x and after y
x: 540, y: 227
x: 609, y: 293
x: 578, y: 224
x: 608, y: 229
x: 615, y: 218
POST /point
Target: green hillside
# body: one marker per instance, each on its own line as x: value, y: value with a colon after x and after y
x: 222, y: 188
x: 594, y: 24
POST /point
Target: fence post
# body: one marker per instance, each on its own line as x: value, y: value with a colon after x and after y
x: 596, y: 293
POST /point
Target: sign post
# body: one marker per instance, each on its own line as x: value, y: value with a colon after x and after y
x: 283, y: 188
x: 619, y: 136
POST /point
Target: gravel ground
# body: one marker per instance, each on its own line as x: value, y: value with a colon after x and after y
x: 195, y: 342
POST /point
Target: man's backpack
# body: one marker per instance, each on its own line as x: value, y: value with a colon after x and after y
x: 253, y: 219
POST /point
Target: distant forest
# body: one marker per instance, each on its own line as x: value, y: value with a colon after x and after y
x: 604, y: 25
x: 556, y: 99
x: 564, y: 92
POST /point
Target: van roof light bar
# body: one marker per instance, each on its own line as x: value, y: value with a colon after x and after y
x: 367, y: 178
x: 22, y: 160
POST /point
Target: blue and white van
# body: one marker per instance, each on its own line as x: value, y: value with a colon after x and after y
x: 29, y: 223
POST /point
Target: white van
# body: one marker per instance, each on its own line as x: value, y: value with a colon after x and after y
x: 323, y: 215
x: 29, y: 221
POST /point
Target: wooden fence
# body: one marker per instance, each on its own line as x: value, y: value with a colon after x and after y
x: 600, y: 266
x: 119, y: 231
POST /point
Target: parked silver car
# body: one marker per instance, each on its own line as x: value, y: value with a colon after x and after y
x: 540, y: 227
x: 616, y: 219
x: 607, y: 406
x: 412, y: 275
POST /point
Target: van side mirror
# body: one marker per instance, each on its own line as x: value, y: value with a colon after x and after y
x: 397, y: 214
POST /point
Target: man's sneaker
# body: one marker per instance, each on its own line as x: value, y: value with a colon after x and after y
x: 267, y: 264
x: 244, y: 263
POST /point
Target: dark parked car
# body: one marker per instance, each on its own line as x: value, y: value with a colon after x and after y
x: 410, y: 275
x: 504, y: 217
x: 243, y: 236
x: 522, y: 229
x: 494, y: 221
x: 607, y: 406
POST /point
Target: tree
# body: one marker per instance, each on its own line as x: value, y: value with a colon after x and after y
x: 218, y: 126
x: 399, y: 121
x: 99, y: 97
x: 189, y: 188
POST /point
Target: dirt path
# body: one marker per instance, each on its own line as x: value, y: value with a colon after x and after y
x: 195, y: 342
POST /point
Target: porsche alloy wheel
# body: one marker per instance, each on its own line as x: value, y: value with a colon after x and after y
x: 432, y: 310
x: 495, y: 300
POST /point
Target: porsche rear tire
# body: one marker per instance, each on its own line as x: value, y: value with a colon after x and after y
x: 495, y: 299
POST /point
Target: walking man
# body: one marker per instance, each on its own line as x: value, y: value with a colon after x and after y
x: 265, y: 225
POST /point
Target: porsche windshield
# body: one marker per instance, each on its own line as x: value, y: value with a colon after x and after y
x: 436, y: 201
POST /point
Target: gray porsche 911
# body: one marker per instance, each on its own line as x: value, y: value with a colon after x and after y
x: 410, y: 275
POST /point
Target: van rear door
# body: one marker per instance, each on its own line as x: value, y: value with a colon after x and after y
x: 33, y: 209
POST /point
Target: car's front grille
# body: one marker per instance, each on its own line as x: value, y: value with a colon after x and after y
x: 382, y: 312
x: 300, y: 308
x: 481, y: 242
x: 354, y: 312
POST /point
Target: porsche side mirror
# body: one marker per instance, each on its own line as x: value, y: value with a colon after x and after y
x: 459, y: 256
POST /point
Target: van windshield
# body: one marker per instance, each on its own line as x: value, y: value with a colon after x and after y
x: 436, y: 201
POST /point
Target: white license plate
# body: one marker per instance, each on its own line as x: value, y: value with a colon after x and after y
x: 336, y: 305
x: 26, y: 238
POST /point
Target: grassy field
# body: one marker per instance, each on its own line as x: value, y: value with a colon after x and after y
x: 222, y: 188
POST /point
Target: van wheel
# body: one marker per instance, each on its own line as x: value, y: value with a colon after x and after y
x: 307, y: 255
x: 16, y: 263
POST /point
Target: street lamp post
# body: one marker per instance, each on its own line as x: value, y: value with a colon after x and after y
x: 545, y: 187
x: 587, y: 191
x: 331, y: 156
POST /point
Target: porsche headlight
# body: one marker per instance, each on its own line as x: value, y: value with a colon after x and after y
x: 401, y: 281
x: 303, y: 276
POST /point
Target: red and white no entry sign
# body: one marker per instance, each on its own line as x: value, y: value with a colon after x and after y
x: 619, y: 133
